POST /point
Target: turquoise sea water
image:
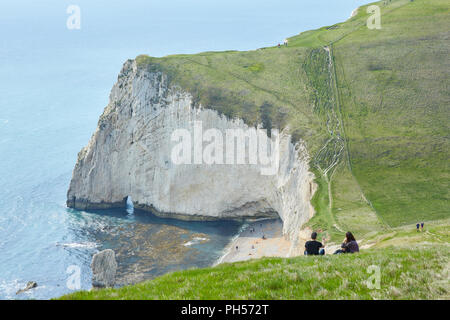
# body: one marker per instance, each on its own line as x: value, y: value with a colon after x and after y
x: 54, y: 84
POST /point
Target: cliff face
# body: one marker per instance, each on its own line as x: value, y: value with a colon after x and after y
x: 130, y: 155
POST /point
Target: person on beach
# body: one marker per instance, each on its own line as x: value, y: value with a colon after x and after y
x: 314, y: 247
x: 349, y: 245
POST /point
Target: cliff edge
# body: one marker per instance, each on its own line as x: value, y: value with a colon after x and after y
x: 130, y: 155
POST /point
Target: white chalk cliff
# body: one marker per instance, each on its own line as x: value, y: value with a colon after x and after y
x: 130, y: 155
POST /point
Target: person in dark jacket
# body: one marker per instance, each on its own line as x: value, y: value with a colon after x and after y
x: 314, y: 247
x: 349, y: 245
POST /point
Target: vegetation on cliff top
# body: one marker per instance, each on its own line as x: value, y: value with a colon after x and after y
x: 384, y: 89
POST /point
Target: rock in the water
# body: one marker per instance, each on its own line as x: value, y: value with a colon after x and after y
x: 30, y: 285
x: 104, y: 268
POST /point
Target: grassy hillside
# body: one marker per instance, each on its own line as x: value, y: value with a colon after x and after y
x: 395, y: 101
x: 412, y: 265
x: 404, y: 274
x: 372, y: 106
x: 255, y: 85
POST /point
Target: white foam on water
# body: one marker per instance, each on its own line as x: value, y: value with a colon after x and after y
x: 87, y: 245
x: 196, y: 240
x: 8, y: 289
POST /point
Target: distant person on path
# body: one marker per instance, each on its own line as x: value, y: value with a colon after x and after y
x: 286, y: 42
x: 418, y: 226
x: 279, y: 45
x: 421, y: 226
x: 349, y: 245
x: 314, y: 247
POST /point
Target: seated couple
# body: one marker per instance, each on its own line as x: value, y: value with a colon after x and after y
x: 314, y: 247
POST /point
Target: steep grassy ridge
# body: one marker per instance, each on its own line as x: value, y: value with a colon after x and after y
x: 262, y: 84
x: 395, y: 100
x: 381, y: 94
x: 404, y: 274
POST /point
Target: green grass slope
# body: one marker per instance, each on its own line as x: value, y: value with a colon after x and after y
x: 374, y: 111
x: 412, y: 265
x: 395, y: 99
x: 404, y: 274
x: 266, y: 86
